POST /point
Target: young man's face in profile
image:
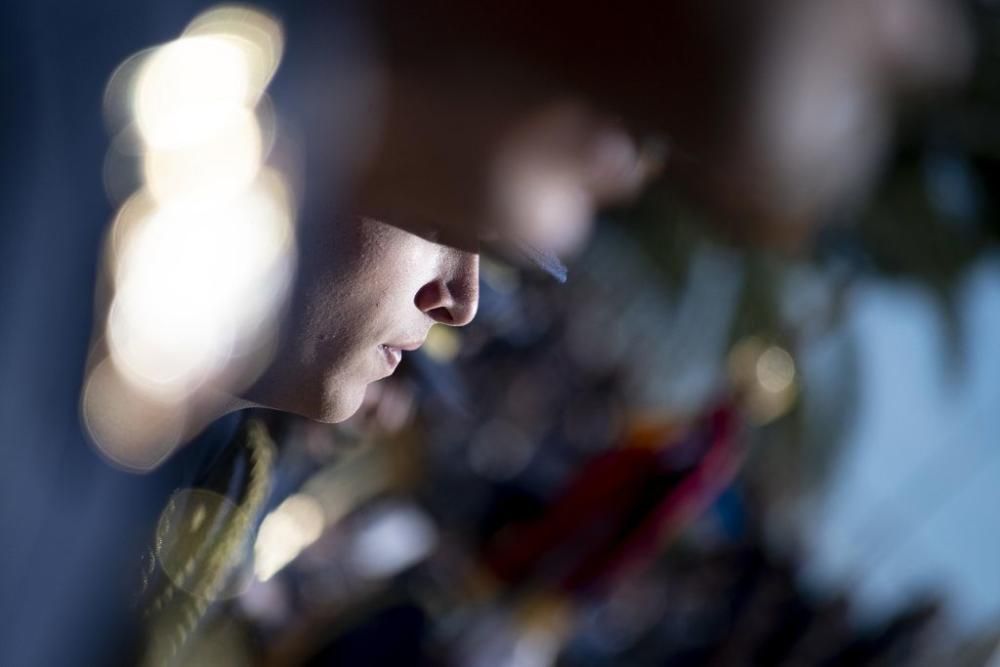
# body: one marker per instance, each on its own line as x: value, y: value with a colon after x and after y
x: 478, y: 153
x: 366, y: 292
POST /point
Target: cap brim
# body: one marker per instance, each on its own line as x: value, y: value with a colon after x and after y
x: 524, y: 255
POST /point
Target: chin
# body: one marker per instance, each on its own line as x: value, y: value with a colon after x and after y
x: 327, y: 402
x: 339, y: 404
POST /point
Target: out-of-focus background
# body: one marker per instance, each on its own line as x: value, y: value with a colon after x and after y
x: 758, y: 425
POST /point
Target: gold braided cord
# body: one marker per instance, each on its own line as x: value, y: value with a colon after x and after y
x: 171, y: 626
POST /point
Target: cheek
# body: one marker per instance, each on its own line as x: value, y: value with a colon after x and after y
x: 367, y: 303
x: 339, y: 372
x: 397, y: 264
x: 363, y: 297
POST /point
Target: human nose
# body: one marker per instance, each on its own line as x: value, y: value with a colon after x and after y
x: 452, y: 297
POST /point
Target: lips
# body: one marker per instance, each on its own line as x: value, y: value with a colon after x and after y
x: 393, y: 352
x: 393, y: 355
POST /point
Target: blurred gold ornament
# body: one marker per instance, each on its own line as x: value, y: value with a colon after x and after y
x: 764, y: 377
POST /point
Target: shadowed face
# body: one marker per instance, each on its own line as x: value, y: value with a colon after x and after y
x: 454, y: 153
x: 366, y: 292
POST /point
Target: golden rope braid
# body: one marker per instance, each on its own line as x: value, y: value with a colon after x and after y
x: 171, y: 625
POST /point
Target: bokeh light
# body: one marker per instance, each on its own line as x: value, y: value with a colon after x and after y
x: 258, y: 35
x: 190, y: 89
x: 443, y: 343
x: 394, y: 537
x: 200, y: 255
x: 226, y: 162
x: 765, y: 376
x: 286, y: 532
x: 189, y: 522
x: 135, y: 431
